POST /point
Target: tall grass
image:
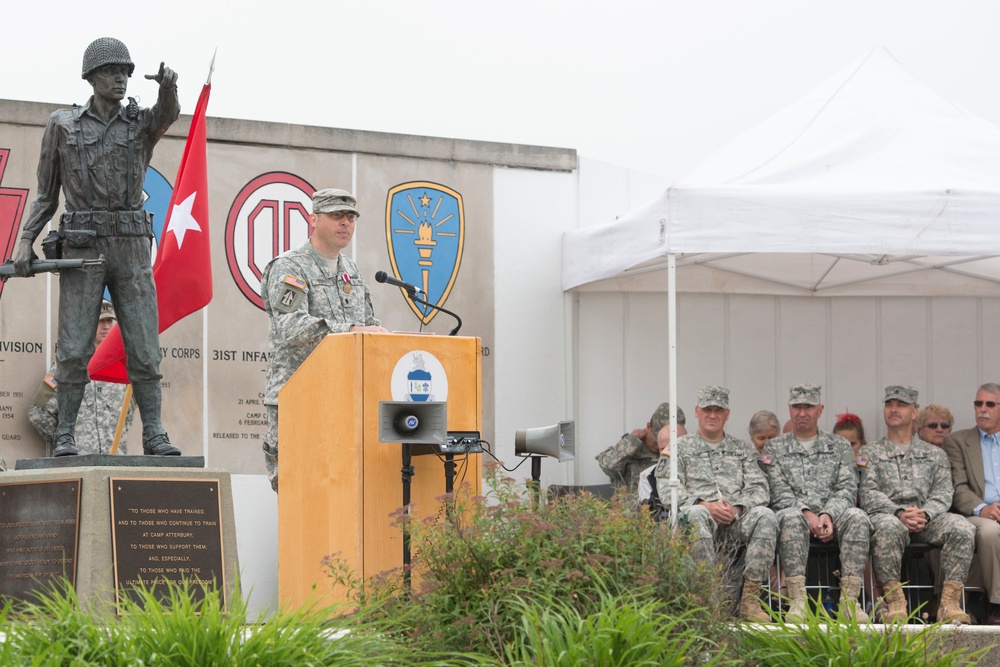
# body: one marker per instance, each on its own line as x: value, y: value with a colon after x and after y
x: 840, y: 642
x: 187, y: 630
x: 622, y: 631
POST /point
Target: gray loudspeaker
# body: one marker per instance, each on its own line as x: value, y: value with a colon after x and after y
x: 412, y: 422
x: 557, y: 441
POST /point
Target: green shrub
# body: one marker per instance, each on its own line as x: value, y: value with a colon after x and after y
x: 476, y: 568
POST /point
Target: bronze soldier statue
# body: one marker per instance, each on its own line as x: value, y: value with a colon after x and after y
x: 97, y: 154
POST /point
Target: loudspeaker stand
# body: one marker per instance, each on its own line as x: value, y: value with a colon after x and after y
x: 536, y: 478
x: 407, y: 474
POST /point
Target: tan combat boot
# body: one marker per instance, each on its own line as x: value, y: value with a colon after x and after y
x: 950, y: 605
x: 797, y: 599
x: 850, y: 587
x: 895, y: 603
x: 750, y: 608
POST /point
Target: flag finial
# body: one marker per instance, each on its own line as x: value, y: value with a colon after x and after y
x: 211, y: 67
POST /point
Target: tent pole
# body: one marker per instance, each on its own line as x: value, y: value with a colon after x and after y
x: 672, y: 389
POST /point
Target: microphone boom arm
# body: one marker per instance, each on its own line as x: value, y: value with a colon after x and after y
x: 458, y: 326
x: 412, y: 291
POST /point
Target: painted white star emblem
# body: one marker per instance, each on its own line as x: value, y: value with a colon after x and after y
x: 181, y: 220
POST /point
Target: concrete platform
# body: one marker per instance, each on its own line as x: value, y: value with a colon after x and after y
x: 109, y: 461
x: 160, y: 524
x: 975, y: 637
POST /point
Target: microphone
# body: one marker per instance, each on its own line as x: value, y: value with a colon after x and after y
x: 383, y: 277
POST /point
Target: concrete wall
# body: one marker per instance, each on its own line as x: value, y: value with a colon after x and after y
x: 253, y: 161
x: 533, y: 369
x: 518, y: 200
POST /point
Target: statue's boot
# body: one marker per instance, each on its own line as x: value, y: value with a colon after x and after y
x: 65, y: 445
x: 154, y: 439
x: 69, y: 396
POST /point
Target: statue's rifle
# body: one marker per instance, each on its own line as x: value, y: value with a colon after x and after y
x: 48, y: 265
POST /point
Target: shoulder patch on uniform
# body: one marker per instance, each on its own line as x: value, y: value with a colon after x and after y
x: 292, y: 294
x: 767, y: 459
x: 661, y: 465
x: 50, y: 380
x: 862, y: 461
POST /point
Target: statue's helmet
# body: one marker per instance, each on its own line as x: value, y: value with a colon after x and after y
x: 106, y: 51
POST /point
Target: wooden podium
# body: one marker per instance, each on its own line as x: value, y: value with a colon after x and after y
x: 337, y: 485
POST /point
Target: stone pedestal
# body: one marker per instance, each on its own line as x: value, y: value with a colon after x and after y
x: 133, y: 518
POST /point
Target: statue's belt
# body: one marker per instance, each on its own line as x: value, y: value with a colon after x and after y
x: 109, y: 223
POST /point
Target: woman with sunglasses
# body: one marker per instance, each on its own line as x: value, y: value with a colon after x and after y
x: 934, y: 424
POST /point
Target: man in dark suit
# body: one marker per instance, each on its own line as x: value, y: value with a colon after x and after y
x: 974, y: 454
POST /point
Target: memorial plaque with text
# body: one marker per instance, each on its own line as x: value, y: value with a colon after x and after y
x: 39, y: 527
x: 166, y: 530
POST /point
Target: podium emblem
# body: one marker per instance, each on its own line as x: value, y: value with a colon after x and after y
x: 425, y: 232
x: 419, y: 377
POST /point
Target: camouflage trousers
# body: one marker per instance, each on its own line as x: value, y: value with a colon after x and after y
x: 756, y: 528
x: 951, y: 532
x: 852, y: 530
x: 271, y: 445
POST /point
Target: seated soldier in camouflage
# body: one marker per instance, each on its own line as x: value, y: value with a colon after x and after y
x: 723, y: 493
x: 625, y: 461
x: 100, y: 409
x: 906, y: 488
x: 814, y: 484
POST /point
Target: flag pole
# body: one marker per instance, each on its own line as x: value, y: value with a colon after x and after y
x: 121, y: 419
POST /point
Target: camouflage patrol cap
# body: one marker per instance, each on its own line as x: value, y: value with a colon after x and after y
x: 713, y: 395
x: 900, y: 393
x: 331, y: 200
x: 106, y: 51
x: 107, y: 311
x: 804, y: 394
x: 661, y: 418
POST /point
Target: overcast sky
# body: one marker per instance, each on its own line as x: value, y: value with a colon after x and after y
x: 653, y: 85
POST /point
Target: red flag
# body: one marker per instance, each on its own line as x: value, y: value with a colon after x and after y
x: 183, y: 267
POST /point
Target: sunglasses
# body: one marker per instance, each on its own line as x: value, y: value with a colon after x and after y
x: 936, y: 425
x: 989, y: 404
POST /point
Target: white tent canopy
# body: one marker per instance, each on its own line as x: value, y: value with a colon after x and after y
x: 870, y: 184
